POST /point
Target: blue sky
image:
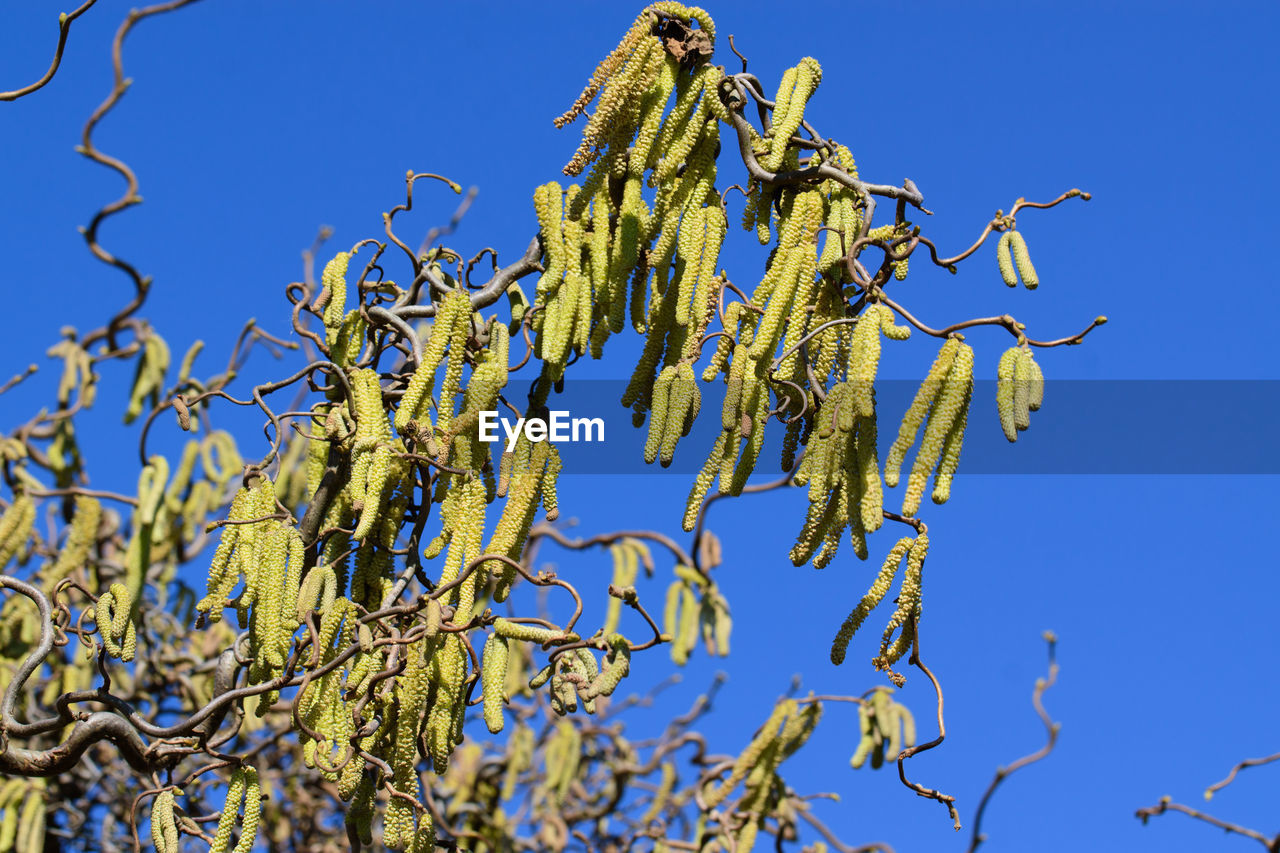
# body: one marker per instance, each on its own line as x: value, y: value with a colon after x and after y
x: 252, y: 124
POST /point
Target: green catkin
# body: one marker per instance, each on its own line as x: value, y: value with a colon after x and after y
x: 682, y: 128
x: 1022, y: 390
x: 1035, y: 382
x: 411, y: 693
x: 617, y: 665
x: 119, y: 635
x: 920, y: 407
x: 661, y: 796
x: 1005, y: 370
x: 550, y: 497
x: 149, y: 378
x: 881, y: 712
x: 494, y: 674
x: 252, y: 811
x: 626, y: 566
x: 230, y: 810
x: 1022, y: 260
x: 164, y: 830
x: 268, y: 636
x: 585, y: 664
x: 1004, y: 257
x: 755, y: 417
x: 528, y: 633
x: 871, y: 600
x: 359, y: 817
x: 334, y: 294
x: 866, y: 728
x: 724, y: 344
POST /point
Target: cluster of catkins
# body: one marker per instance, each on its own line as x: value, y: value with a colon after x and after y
x: 756, y: 769
x: 639, y: 237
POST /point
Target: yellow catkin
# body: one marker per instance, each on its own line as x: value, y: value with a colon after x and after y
x: 230, y: 811
x: 164, y: 830
x: 1035, y: 382
x: 1005, y: 392
x: 957, y: 390
x: 1004, y: 258
x: 891, y: 331
x: 864, y: 361
x: 873, y: 597
x: 951, y: 448
x: 919, y: 408
x: 908, y: 609
x: 789, y: 108
x: 119, y: 635
x: 452, y: 310
x: 617, y: 665
x: 493, y: 676
x: 526, y: 632
x: 334, y: 289
x: 15, y: 526
x: 659, y: 410
x: 1022, y: 260
x: 866, y: 728
x: 1022, y: 389
x: 81, y: 538
x: 702, y: 483
x: 252, y: 811
x: 767, y: 736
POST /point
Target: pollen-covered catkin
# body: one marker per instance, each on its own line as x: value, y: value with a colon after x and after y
x: 1005, y: 392
x: 333, y: 283
x: 15, y: 526
x: 957, y: 389
x: 864, y: 361
x: 767, y: 736
x: 869, y: 601
x: 789, y: 108
x: 119, y: 635
x: 528, y: 633
x: 230, y: 810
x: 164, y: 830
x: 1022, y: 261
x: 658, y: 412
x: 920, y: 407
x: 493, y: 676
x: 951, y: 447
x: 84, y: 533
x: 1022, y: 389
x: 1004, y: 257
x: 252, y: 811
x: 891, y: 331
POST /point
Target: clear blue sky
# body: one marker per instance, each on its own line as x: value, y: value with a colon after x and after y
x: 251, y: 124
